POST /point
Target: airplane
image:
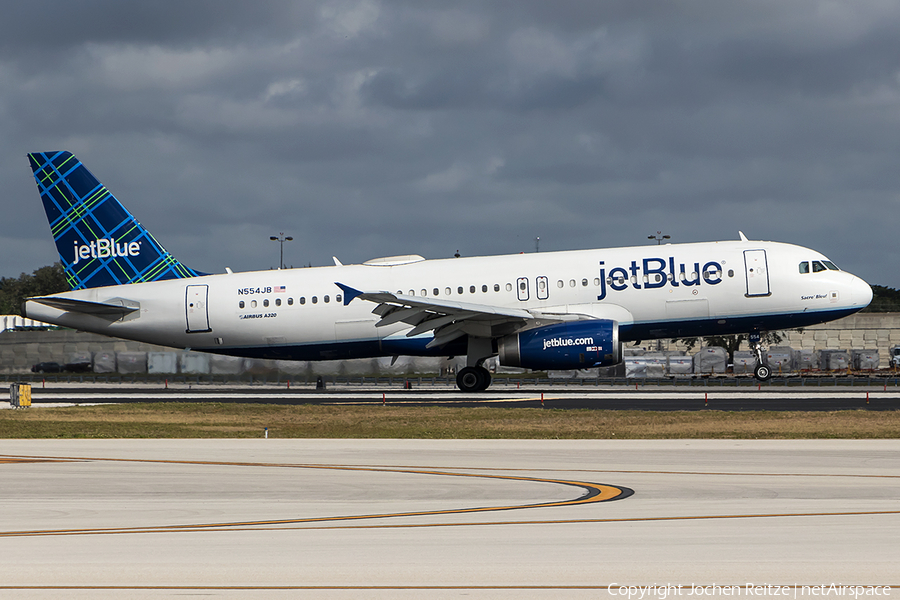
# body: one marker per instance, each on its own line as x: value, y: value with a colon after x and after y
x: 553, y: 310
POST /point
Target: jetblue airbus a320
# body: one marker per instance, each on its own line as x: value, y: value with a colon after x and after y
x: 553, y: 310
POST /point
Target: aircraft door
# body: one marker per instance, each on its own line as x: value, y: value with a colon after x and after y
x: 757, y: 273
x: 195, y: 298
x: 543, y: 288
x: 522, y: 288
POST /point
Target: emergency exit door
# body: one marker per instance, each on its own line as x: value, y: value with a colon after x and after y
x: 195, y: 298
x: 757, y: 273
x: 522, y: 289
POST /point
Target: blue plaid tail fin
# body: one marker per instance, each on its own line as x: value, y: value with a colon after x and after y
x: 100, y: 243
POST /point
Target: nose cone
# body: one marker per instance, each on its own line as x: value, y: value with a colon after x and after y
x: 860, y: 292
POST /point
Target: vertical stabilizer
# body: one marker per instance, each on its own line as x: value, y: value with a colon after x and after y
x: 100, y: 243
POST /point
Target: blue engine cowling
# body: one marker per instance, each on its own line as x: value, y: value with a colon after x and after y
x: 564, y: 346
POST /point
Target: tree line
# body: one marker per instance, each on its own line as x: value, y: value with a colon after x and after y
x: 43, y: 282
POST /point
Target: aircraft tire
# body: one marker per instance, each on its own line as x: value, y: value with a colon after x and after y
x: 486, y: 375
x: 762, y: 372
x: 473, y: 379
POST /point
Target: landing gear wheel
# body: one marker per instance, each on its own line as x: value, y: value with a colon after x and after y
x: 762, y: 372
x: 473, y: 379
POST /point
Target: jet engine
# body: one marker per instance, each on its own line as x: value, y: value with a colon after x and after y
x: 564, y: 346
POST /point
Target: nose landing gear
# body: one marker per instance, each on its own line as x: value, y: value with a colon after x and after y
x: 762, y: 372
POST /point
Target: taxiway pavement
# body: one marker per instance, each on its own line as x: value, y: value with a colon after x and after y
x: 443, y: 518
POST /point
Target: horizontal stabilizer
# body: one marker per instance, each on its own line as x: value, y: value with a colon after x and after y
x: 98, y: 309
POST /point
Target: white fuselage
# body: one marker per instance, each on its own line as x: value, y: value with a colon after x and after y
x: 673, y: 290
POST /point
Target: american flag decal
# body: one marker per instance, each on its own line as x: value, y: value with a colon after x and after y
x: 279, y: 288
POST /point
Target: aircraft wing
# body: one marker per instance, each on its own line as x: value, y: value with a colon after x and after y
x: 449, y: 319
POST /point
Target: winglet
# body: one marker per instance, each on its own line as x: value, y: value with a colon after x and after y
x: 349, y: 292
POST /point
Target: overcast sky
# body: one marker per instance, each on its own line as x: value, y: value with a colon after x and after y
x: 368, y: 128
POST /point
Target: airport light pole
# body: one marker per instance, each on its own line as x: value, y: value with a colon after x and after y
x: 281, y: 239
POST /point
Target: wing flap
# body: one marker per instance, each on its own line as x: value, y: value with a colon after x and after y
x: 449, y: 319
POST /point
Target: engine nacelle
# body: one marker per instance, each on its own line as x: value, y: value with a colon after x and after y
x: 564, y: 346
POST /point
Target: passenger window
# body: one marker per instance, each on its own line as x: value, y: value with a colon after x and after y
x: 436, y: 291
x: 277, y: 301
x: 483, y: 288
x: 596, y: 281
x: 571, y: 283
x: 447, y: 291
x: 266, y: 303
x: 560, y: 283
x: 337, y: 298
x: 817, y: 266
x: 326, y: 299
x: 424, y: 293
x: 241, y: 304
x: 290, y: 301
x: 459, y: 290
x: 496, y: 287
x: 412, y: 292
x: 302, y: 299
x: 471, y: 289
x: 253, y: 304
x: 508, y: 287
x: 315, y: 300
x: 584, y: 283
x: 804, y: 267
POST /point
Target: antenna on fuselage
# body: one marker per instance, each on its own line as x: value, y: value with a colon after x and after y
x: 743, y: 237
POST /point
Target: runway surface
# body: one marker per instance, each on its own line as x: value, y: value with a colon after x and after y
x: 636, y: 397
x: 445, y: 519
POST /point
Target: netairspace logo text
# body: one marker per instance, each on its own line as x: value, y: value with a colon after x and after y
x: 662, y: 592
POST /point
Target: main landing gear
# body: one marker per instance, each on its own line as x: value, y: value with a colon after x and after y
x: 762, y: 372
x: 473, y: 379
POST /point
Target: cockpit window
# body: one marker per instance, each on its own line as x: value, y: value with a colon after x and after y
x: 831, y: 266
x: 804, y: 267
x: 818, y: 266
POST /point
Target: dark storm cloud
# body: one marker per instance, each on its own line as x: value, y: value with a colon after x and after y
x: 49, y: 26
x: 368, y: 128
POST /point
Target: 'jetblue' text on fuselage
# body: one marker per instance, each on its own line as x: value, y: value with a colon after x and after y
x: 652, y: 273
